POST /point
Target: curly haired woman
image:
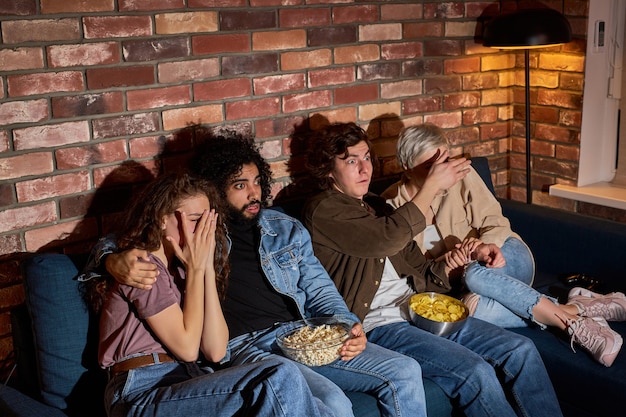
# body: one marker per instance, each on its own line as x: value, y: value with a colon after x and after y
x: 156, y: 344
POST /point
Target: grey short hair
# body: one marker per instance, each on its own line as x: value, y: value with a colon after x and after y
x: 414, y: 141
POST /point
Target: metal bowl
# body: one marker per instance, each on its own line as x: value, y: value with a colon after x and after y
x: 436, y: 325
x: 313, y: 350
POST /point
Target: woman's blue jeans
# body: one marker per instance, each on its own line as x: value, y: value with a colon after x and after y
x: 394, y: 379
x: 473, y: 365
x: 266, y: 388
x: 506, y: 296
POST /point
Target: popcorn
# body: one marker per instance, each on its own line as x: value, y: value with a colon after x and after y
x: 314, y: 346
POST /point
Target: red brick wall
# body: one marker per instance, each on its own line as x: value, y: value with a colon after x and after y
x: 92, y: 91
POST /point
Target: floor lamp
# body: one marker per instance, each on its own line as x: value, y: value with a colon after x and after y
x: 527, y: 29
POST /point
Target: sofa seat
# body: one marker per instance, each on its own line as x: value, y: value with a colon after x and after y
x: 55, y: 338
x: 584, y: 387
x: 565, y: 243
x: 562, y: 243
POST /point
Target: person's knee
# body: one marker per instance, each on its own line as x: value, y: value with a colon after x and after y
x: 283, y: 375
x: 406, y: 369
x: 474, y: 281
x: 327, y: 392
x: 337, y: 401
x: 480, y: 375
x: 290, y: 388
x: 523, y: 348
x: 520, y: 260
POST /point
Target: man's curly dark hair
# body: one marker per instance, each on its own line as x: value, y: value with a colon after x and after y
x: 329, y: 142
x: 220, y: 159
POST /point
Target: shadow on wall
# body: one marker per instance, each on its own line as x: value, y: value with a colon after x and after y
x: 302, y: 183
x: 103, y: 207
x: 108, y: 202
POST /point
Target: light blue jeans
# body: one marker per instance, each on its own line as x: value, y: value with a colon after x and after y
x: 392, y: 378
x: 506, y: 296
x: 490, y: 371
x: 267, y: 388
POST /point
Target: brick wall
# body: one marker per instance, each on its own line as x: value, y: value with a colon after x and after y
x: 96, y: 96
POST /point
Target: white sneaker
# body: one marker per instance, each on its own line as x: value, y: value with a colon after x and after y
x: 611, y: 307
x: 594, y: 335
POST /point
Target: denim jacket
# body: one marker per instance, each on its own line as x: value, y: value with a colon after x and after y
x: 287, y: 259
x: 95, y: 263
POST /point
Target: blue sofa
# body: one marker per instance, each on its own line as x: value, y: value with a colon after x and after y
x: 55, y: 345
x: 55, y: 339
x: 564, y: 244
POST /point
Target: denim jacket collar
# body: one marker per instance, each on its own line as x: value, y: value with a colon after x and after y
x: 265, y: 225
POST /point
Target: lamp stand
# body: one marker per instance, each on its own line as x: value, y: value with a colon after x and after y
x: 524, y: 29
x: 529, y: 193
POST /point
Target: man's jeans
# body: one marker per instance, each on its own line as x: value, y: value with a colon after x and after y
x: 267, y: 388
x: 473, y: 365
x: 506, y: 296
x: 393, y: 379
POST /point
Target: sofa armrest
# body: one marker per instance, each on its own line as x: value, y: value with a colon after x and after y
x: 13, y: 403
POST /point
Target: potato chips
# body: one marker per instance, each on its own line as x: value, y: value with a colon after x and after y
x: 438, y: 307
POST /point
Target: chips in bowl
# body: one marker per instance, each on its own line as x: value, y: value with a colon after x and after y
x: 437, y: 313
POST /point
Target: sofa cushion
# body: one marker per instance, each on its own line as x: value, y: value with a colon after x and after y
x: 69, y: 378
x: 580, y: 382
x: 481, y: 165
x: 14, y: 403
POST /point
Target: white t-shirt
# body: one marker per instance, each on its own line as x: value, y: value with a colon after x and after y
x: 390, y: 303
x: 433, y: 240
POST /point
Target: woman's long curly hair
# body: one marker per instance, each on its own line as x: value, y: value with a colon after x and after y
x: 329, y: 142
x: 142, y: 225
x: 220, y: 159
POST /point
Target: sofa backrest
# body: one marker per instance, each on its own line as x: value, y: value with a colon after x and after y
x: 64, y: 336
x: 481, y: 165
x: 565, y: 243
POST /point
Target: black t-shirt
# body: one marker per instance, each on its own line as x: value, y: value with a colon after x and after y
x: 251, y: 302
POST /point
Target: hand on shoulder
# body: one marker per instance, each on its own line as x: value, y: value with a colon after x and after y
x: 132, y: 267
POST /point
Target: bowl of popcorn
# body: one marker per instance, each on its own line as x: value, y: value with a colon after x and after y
x: 437, y: 313
x: 314, y: 341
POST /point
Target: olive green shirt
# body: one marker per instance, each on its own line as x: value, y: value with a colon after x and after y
x: 352, y: 238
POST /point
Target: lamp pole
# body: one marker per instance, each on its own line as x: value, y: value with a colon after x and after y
x: 529, y: 192
x: 526, y: 29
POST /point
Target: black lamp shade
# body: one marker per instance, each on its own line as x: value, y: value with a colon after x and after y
x: 527, y: 28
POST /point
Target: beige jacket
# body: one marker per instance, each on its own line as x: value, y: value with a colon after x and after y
x: 467, y: 209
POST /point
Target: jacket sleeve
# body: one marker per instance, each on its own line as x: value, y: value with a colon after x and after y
x: 347, y: 224
x: 322, y: 297
x: 432, y: 275
x: 95, y: 263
